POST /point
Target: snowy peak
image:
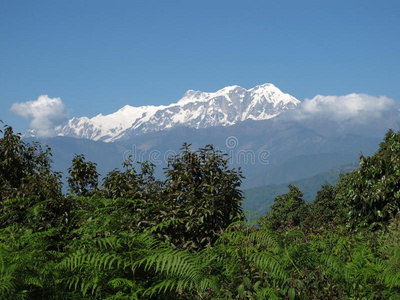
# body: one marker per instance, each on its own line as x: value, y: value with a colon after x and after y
x: 270, y: 93
x: 193, y: 96
x: 229, y: 90
x: 195, y: 109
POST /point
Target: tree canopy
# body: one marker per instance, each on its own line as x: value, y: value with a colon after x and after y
x: 371, y: 194
x: 25, y: 169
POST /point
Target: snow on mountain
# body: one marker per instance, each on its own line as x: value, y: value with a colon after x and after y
x: 109, y: 127
x: 196, y: 109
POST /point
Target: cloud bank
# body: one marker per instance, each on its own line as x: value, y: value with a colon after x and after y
x: 358, y: 108
x: 357, y: 114
x: 46, y: 114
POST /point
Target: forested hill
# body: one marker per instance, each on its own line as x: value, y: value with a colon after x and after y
x: 259, y: 199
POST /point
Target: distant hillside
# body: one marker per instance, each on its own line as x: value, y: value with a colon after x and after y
x: 259, y: 199
x: 300, y: 167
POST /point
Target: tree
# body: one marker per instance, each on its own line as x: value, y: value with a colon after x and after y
x: 287, y: 211
x: 25, y: 169
x: 129, y: 184
x: 201, y: 189
x: 84, y: 178
x: 325, y: 210
x: 371, y: 193
x: 118, y: 184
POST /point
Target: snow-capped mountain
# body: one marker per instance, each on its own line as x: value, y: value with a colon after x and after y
x: 196, y: 109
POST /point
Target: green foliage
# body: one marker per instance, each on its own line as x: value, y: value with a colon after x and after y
x: 288, y: 210
x: 248, y: 264
x: 203, y: 190
x: 25, y: 169
x: 129, y: 184
x: 390, y: 246
x: 325, y: 211
x: 28, y: 265
x: 372, y: 193
x: 83, y: 177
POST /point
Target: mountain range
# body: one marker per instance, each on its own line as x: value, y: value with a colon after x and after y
x: 195, y: 109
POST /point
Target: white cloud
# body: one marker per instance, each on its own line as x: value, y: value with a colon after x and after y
x: 46, y: 113
x: 358, y: 108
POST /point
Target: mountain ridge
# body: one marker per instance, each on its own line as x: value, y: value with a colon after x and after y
x: 196, y: 109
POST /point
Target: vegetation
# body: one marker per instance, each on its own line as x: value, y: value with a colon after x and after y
x: 25, y: 169
x: 133, y: 237
x: 372, y: 193
x: 288, y: 211
x: 84, y: 178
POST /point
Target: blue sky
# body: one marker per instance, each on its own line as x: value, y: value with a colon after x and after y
x: 98, y: 56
